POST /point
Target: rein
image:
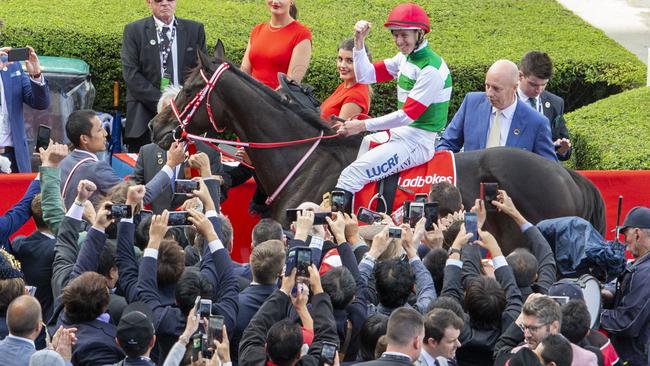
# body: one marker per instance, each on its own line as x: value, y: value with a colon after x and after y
x: 191, y: 108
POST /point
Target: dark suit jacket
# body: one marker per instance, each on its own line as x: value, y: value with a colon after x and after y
x: 36, y: 254
x: 151, y: 160
x: 555, y: 114
x: 250, y: 300
x: 19, y: 89
x: 141, y: 66
x: 469, y: 128
x: 386, y: 360
x: 96, y: 343
x: 100, y: 173
x: 18, y: 214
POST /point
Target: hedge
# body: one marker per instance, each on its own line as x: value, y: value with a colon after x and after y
x: 469, y: 34
x: 613, y: 133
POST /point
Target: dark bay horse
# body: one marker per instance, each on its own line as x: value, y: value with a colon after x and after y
x: 540, y: 188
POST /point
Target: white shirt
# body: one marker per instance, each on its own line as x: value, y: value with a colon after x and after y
x: 505, y: 120
x: 159, y: 26
x: 427, y: 359
x: 524, y: 98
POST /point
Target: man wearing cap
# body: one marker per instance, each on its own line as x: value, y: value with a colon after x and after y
x: 157, y: 51
x: 628, y: 322
x: 135, y: 334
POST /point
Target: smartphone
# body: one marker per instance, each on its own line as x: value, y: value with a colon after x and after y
x: 31, y: 290
x: 214, y: 328
x: 119, y: 212
x: 337, y: 201
x: 421, y: 197
x: 368, y: 216
x: 43, y: 137
x: 489, y: 192
x: 292, y: 214
x: 328, y: 353
x: 185, y: 186
x: 205, y: 308
x: 320, y: 218
x: 17, y: 54
x: 197, y: 345
x: 179, y: 218
x: 395, y: 232
x: 430, y: 214
x: 416, y: 212
x: 299, y: 258
x: 405, y: 209
x: 230, y: 150
x: 144, y: 214
x: 471, y: 226
x: 560, y: 299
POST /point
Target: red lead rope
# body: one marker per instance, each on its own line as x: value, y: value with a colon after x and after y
x: 194, y: 104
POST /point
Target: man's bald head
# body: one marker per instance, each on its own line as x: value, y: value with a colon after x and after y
x: 24, y: 317
x: 501, y: 83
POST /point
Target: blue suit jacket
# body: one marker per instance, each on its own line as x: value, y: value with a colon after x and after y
x: 469, y: 128
x: 15, y: 352
x: 19, y: 89
x: 18, y: 215
x: 250, y: 300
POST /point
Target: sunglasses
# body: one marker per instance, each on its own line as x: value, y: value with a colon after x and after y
x: 160, y: 1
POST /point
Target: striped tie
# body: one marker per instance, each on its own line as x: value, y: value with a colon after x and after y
x: 494, y: 135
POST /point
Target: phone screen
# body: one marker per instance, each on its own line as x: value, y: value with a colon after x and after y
x: 394, y: 232
x: 179, y: 218
x: 320, y: 218
x: 368, y: 216
x: 328, y: 353
x: 406, y: 209
x: 43, y: 137
x: 214, y: 328
x: 18, y: 54
x: 197, y: 345
x: 290, y: 263
x: 489, y: 192
x: 292, y: 214
x: 205, y: 308
x: 471, y: 225
x: 120, y: 212
x: 430, y: 214
x: 421, y: 197
x: 337, y: 201
x: 303, y: 261
x: 416, y: 212
x: 185, y: 186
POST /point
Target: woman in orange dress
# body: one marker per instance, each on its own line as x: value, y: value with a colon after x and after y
x: 280, y: 45
x: 350, y: 99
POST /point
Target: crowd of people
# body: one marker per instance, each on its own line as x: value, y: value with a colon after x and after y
x: 139, y: 272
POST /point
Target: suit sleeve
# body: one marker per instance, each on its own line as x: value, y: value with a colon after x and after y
x: 541, y: 249
x: 65, y: 253
x: 506, y: 279
x: 543, y: 144
x: 137, y: 84
x: 155, y: 186
x: 126, y: 262
x: 425, y: 290
x: 451, y: 285
x: 104, y: 176
x: 138, y: 171
x: 559, y: 129
x: 18, y: 215
x: 225, y: 301
x: 471, y: 257
x: 88, y: 259
x: 453, y: 138
x: 51, y: 201
x: 35, y: 95
x: 324, y: 323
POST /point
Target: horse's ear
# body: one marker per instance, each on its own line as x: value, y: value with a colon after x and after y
x: 219, y: 51
x: 202, y: 59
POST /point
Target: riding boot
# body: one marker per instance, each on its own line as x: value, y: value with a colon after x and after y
x: 347, y: 200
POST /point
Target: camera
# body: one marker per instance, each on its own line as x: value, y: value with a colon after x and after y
x: 119, y: 212
x: 394, y: 232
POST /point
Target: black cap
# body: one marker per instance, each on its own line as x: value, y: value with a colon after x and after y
x: 566, y: 287
x: 135, y: 329
x: 9, y: 266
x: 638, y: 216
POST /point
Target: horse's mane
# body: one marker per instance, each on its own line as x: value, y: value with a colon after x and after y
x: 305, y: 114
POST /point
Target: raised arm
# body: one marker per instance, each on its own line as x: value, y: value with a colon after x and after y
x: 18, y: 215
x: 324, y: 323
x: 425, y: 290
x: 127, y: 264
x: 51, y: 201
x: 88, y: 259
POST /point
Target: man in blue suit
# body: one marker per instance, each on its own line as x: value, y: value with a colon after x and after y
x: 17, y: 88
x: 24, y: 323
x: 497, y: 118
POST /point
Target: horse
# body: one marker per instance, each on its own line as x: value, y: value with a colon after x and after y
x: 540, y: 189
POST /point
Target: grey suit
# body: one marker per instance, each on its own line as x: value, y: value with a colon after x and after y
x: 15, y: 351
x: 152, y: 158
x: 140, y: 56
x: 100, y: 173
x: 553, y: 109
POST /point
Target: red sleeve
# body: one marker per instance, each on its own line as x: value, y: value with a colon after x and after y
x: 302, y: 34
x: 358, y: 96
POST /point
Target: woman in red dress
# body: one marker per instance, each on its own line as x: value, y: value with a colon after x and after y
x: 280, y: 45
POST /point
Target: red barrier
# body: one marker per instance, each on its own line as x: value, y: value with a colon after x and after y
x: 632, y: 184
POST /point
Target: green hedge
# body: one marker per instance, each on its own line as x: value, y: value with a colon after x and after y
x: 470, y: 35
x: 613, y: 133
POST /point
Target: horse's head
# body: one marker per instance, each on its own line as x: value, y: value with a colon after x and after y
x: 165, y: 126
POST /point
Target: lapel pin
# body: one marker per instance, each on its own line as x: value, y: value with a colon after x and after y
x: 152, y: 42
x: 516, y: 132
x: 160, y: 160
x: 547, y: 105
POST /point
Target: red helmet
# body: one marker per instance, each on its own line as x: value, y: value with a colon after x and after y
x: 408, y: 16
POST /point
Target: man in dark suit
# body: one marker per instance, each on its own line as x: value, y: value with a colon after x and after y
x: 535, y: 70
x: 405, y: 334
x: 157, y: 51
x: 88, y: 137
x: 17, y: 88
x: 497, y: 118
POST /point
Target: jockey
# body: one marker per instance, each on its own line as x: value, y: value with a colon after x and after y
x: 423, y: 93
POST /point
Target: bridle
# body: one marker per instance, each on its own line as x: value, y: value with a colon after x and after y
x: 185, y: 116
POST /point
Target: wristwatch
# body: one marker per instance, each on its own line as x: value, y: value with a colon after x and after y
x: 453, y: 250
x: 369, y: 257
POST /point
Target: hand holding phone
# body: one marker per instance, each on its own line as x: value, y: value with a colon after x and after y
x: 328, y: 353
x: 368, y: 216
x: 489, y: 193
x: 18, y: 54
x: 471, y: 226
x: 43, y: 137
x: 337, y: 201
x: 179, y: 218
x: 416, y: 212
x: 118, y: 212
x: 185, y: 186
x: 430, y: 214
